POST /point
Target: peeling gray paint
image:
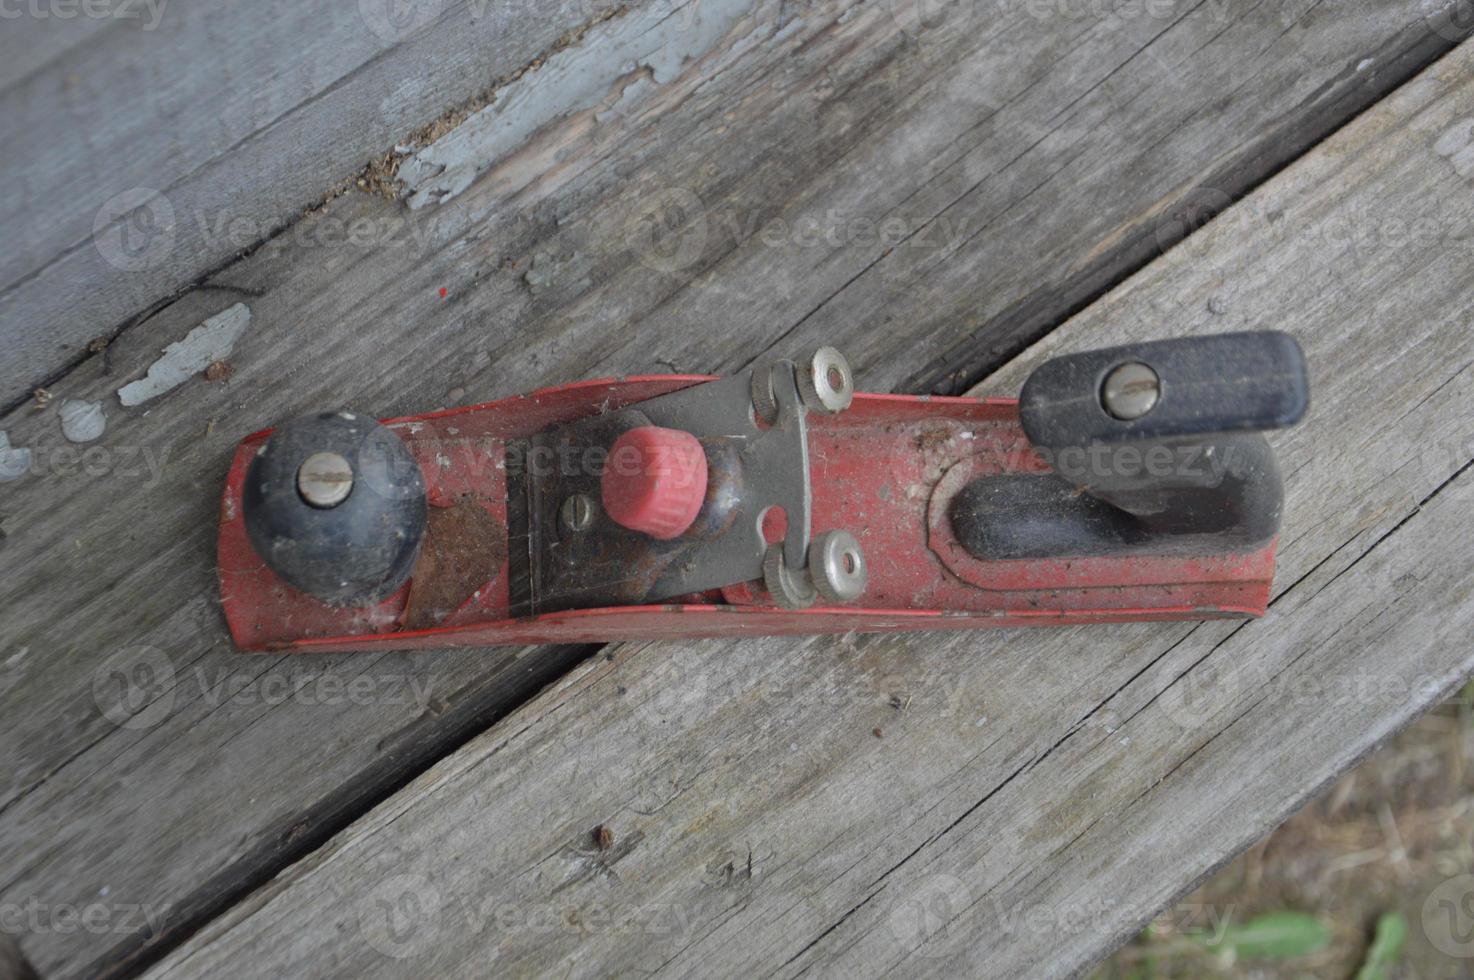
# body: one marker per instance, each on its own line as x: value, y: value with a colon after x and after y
x: 14, y: 462
x: 211, y: 341
x: 81, y: 421
x: 659, y: 40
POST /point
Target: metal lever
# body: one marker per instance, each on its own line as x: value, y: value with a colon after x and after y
x: 1155, y: 449
x: 638, y: 541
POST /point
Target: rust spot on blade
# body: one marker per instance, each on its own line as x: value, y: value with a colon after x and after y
x: 465, y: 548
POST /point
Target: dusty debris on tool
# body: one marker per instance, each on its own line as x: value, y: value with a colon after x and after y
x: 464, y: 550
x: 933, y: 438
x: 206, y: 344
x: 81, y: 421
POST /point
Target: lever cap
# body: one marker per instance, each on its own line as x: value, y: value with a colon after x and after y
x: 655, y: 481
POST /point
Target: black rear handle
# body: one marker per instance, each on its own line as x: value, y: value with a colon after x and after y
x: 1155, y: 449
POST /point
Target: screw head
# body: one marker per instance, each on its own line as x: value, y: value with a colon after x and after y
x: 1131, y: 391
x: 577, y: 513
x: 325, y: 480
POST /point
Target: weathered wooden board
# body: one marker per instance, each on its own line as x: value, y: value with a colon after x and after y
x: 242, y: 113
x: 1000, y: 804
x: 236, y: 116
x: 798, y: 119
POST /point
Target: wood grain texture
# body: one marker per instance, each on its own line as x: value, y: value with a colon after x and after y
x: 238, y: 115
x: 241, y: 140
x: 1004, y: 803
x: 798, y: 135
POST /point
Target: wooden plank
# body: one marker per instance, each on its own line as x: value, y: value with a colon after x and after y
x: 1003, y: 330
x: 1036, y: 796
x: 233, y: 171
x: 238, y: 115
x: 547, y: 276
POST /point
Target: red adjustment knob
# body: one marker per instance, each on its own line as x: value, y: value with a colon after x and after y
x: 655, y: 481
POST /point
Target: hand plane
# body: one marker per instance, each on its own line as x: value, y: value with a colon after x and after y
x: 1124, y: 484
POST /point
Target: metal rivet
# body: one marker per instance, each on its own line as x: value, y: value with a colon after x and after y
x: 325, y: 480
x: 1130, y: 391
x: 577, y: 513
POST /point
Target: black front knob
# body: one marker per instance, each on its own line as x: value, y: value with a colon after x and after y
x: 335, y: 505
